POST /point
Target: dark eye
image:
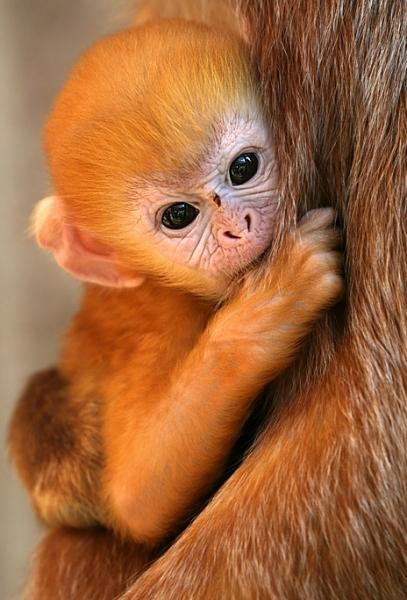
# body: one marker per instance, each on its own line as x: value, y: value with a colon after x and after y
x: 178, y: 216
x: 243, y: 168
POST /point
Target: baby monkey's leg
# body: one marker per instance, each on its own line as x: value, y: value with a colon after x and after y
x: 55, y: 444
x: 165, y: 458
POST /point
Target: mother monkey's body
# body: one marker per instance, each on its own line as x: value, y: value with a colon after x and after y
x: 316, y: 510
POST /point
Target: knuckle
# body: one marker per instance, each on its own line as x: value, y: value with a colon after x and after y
x: 333, y: 285
x: 318, y: 218
x: 324, y: 265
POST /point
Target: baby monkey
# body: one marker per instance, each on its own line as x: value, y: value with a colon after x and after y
x: 166, y: 191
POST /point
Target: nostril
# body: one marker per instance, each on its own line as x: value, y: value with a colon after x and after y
x: 216, y: 199
x: 248, y: 221
x: 231, y: 235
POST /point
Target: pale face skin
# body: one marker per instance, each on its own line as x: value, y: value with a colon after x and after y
x: 231, y: 224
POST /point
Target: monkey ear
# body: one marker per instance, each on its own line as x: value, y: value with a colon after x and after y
x: 76, y: 251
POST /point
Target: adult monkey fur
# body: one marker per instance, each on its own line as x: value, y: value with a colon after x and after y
x: 317, y: 510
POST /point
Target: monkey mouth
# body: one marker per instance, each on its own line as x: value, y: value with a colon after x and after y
x: 239, y: 262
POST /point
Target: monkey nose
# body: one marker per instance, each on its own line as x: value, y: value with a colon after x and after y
x: 231, y: 236
x: 215, y: 198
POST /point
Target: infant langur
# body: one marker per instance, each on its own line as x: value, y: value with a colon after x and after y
x: 165, y: 191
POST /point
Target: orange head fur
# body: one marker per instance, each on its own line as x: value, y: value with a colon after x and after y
x: 140, y: 103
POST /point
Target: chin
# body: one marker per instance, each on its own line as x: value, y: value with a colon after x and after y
x: 244, y: 262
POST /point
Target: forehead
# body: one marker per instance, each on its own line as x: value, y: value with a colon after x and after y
x: 208, y: 171
x: 179, y: 104
x: 224, y: 139
x: 165, y: 82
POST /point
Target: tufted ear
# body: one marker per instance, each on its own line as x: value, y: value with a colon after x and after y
x: 75, y: 250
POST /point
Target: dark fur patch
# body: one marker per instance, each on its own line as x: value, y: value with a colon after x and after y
x: 43, y: 424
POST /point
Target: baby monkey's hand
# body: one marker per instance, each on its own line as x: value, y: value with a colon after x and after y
x: 308, y: 270
x: 279, y: 301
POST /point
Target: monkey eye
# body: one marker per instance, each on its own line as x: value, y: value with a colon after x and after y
x: 178, y: 216
x: 243, y: 168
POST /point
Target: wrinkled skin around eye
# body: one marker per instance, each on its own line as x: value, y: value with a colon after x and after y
x: 235, y: 223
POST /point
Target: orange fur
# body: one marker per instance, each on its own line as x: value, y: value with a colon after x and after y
x: 160, y: 389
x: 170, y: 390
x: 174, y: 412
x: 120, y: 119
x: 168, y: 387
x: 133, y: 117
x: 317, y: 509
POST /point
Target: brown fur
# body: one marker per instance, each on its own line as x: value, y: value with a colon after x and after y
x: 77, y: 578
x: 55, y: 442
x: 318, y: 508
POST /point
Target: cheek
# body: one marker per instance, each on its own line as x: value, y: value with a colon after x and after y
x: 182, y: 250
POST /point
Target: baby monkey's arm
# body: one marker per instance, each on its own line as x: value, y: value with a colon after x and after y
x: 168, y: 456
x: 173, y: 450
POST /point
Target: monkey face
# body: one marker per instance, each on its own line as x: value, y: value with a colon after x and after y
x: 217, y: 215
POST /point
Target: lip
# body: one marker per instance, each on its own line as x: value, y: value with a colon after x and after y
x: 252, y: 257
